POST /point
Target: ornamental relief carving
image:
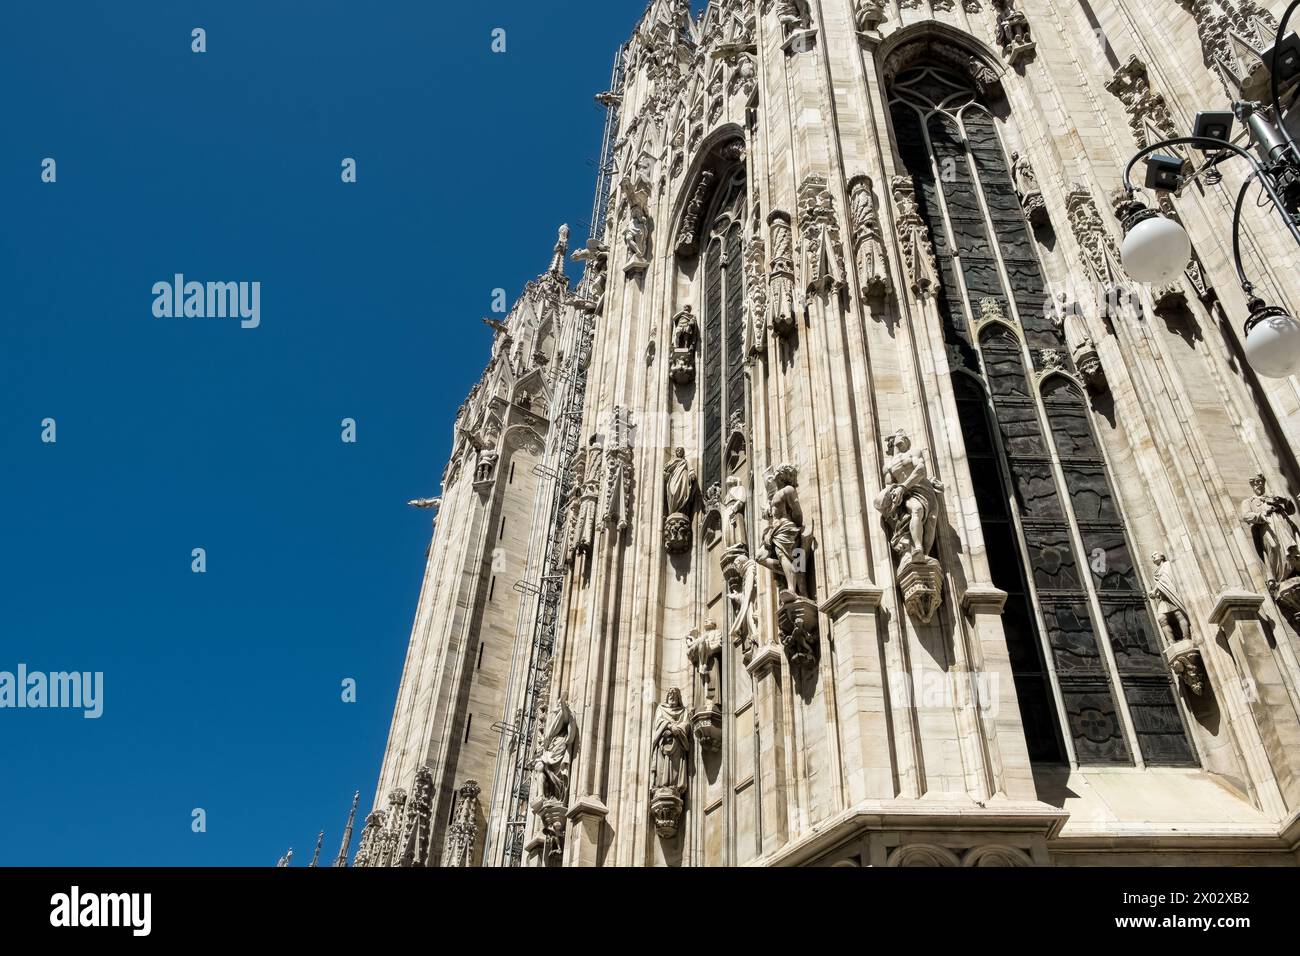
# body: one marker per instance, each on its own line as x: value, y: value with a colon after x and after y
x: 868, y: 240
x: 913, y: 238
x: 823, y: 250
x: 1149, y: 117
x: 1232, y: 35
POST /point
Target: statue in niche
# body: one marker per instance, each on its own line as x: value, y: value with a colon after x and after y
x: 909, y: 505
x: 1026, y: 183
x: 686, y: 339
x: 784, y: 551
x: 669, y: 751
x: 679, y: 496
x: 550, y: 786
x: 735, y: 532
x: 704, y: 651
x: 1277, y: 541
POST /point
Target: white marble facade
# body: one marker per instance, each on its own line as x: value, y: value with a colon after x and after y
x: 899, y: 527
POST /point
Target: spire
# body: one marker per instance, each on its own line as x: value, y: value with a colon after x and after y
x: 315, y: 857
x: 342, y: 858
x: 287, y: 859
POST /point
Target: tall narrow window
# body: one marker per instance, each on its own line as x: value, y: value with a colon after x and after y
x: 723, y: 327
x: 1078, y: 628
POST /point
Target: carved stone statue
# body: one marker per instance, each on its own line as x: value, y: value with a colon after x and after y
x: 679, y: 497
x: 791, y: 15
x: 550, y: 787
x: 781, y: 314
x: 735, y: 531
x: 1013, y: 33
x: 486, y: 467
x: 1026, y: 183
x: 868, y: 14
x: 1277, y: 541
x: 704, y: 651
x: 909, y: 504
x: 686, y: 339
x: 669, y: 752
x: 868, y: 244
x: 782, y: 545
x: 741, y: 574
x: 589, y: 502
x: 636, y: 237
x: 784, y: 551
x: 1171, y: 612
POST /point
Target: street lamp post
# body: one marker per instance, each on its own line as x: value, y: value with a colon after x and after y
x: 1156, y: 248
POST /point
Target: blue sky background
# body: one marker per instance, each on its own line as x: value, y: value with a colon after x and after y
x: 222, y: 690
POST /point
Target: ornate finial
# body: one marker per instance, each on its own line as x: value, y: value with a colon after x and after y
x: 286, y: 859
x: 342, y: 858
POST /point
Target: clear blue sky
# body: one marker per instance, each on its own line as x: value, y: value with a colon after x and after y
x: 222, y: 690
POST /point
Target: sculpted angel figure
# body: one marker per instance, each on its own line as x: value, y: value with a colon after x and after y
x: 784, y: 534
x: 1275, y: 535
x: 909, y: 500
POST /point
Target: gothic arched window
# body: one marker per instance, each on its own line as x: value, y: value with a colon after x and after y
x: 723, y: 327
x: 1080, y: 635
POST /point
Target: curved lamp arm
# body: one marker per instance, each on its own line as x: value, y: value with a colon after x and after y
x: 1274, y: 92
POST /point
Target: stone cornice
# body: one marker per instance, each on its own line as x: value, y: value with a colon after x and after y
x: 860, y: 596
x: 983, y: 599
x: 1234, y: 601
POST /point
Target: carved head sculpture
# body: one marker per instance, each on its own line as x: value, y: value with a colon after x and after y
x: 781, y: 476
x: 674, y: 698
x: 898, y: 443
x: 679, y: 452
x: 1257, y: 483
x: 1158, y: 558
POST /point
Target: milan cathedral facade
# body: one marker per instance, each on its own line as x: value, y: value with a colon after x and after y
x: 855, y: 507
